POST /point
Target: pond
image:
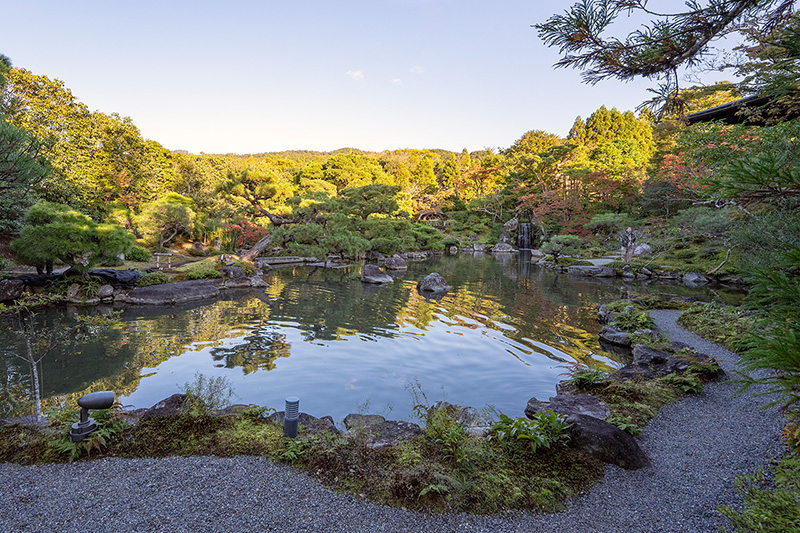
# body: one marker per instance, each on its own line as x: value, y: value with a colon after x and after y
x: 506, y: 332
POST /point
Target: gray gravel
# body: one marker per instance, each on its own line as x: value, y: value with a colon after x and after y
x: 697, y: 447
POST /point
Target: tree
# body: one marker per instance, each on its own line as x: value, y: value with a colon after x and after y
x: 164, y: 219
x: 369, y: 199
x: 22, y: 168
x: 56, y: 232
x: 561, y: 245
x: 659, y: 48
x: 534, y: 142
x: 353, y: 170
x: 40, y: 340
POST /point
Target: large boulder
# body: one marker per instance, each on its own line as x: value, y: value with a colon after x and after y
x: 233, y: 272
x: 119, y: 279
x: 475, y: 423
x: 605, y: 442
x: 502, y: 247
x: 642, y: 249
x: 433, y: 283
x: 11, y: 289
x: 395, y: 263
x: 171, y: 293
x: 171, y: 406
x: 569, y: 404
x: 504, y: 237
x: 104, y: 292
x: 592, y: 271
x: 374, y: 274
x: 614, y: 336
x: 379, y: 432
x: 199, y: 248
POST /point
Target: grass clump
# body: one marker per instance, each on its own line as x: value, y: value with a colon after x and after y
x: 153, y: 278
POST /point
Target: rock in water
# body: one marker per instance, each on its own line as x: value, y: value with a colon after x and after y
x: 373, y: 274
x: 396, y: 263
x: 434, y: 283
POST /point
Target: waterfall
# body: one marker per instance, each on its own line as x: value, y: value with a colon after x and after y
x: 524, y: 236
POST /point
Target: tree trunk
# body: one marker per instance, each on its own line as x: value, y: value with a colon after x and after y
x: 257, y: 248
x: 37, y: 400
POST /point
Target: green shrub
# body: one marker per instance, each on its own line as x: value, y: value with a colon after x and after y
x: 582, y: 376
x: 206, y: 394
x: 633, y: 321
x: 153, y: 278
x: 542, y: 431
x: 769, y: 507
x: 204, y: 273
x: 138, y: 253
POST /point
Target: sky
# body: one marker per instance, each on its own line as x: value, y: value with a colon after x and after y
x: 263, y: 76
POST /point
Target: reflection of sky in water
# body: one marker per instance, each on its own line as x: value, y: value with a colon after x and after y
x: 503, y: 335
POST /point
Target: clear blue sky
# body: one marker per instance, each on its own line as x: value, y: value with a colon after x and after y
x: 258, y: 76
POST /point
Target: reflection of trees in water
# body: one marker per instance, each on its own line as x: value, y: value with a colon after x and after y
x: 259, y: 351
x: 327, y: 304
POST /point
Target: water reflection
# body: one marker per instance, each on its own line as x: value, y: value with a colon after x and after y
x: 499, y: 337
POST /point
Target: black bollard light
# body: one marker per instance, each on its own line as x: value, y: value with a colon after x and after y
x: 93, y: 400
x: 291, y: 416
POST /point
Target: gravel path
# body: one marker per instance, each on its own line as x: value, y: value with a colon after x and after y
x: 697, y: 447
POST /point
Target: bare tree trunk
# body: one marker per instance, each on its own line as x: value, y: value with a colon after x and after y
x: 257, y: 248
x: 37, y: 393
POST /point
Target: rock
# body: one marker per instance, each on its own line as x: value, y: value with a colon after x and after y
x: 376, y: 256
x: 433, y: 283
x: 216, y: 244
x: 569, y: 404
x: 233, y: 272
x: 200, y: 249
x: 373, y: 274
x: 614, y: 336
x: 694, y: 279
x: 644, y: 355
x: 688, y: 299
x: 167, y: 407
x: 604, y: 316
x: 666, y: 274
x: 502, y: 247
x: 512, y: 225
x: 474, y: 422
x: 312, y: 424
x: 11, y: 289
x: 627, y: 272
x: 395, y: 263
x: 592, y: 271
x: 105, y: 291
x: 379, y: 432
x: 645, y: 272
x: 642, y: 249
x: 473, y: 238
x: 73, y: 291
x: 119, y: 279
x: 171, y: 293
x: 416, y: 257
x: 504, y: 237
x: 452, y: 250
x: 479, y: 247
x: 605, y: 442
x: 257, y: 282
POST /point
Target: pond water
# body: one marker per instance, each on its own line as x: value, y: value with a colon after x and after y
x: 506, y: 332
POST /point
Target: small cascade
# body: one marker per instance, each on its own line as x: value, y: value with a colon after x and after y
x: 524, y: 236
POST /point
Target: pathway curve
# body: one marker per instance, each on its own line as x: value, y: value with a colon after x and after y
x: 697, y: 447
